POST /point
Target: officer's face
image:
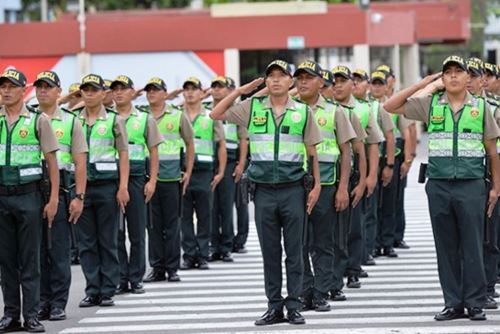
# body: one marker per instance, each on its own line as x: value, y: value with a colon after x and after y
x: 122, y: 95
x: 92, y: 96
x: 378, y: 89
x: 278, y: 82
x: 308, y: 85
x: 155, y: 95
x: 343, y: 88
x: 11, y: 94
x: 192, y: 94
x: 328, y: 92
x: 455, y: 79
x: 490, y: 82
x: 474, y: 84
x: 219, y: 91
x: 47, y: 95
x: 360, y: 87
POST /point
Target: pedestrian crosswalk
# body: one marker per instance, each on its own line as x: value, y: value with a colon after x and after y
x: 401, y: 295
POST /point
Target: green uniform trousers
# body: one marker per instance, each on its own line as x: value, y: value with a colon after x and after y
x: 281, y: 211
x: 319, y: 247
x: 164, y: 235
x: 20, y: 234
x: 457, y: 215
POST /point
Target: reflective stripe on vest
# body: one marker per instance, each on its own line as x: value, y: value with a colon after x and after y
x: 63, y: 130
x: 20, y: 152
x: 169, y: 150
x: 456, y: 148
x: 277, y: 152
x: 231, y: 132
x: 328, y: 149
x: 102, y: 157
x: 203, y: 128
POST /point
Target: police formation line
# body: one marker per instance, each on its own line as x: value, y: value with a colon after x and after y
x: 324, y: 163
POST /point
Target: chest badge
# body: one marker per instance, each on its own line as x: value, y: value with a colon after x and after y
x: 474, y: 113
x: 170, y: 126
x: 322, y: 121
x: 135, y: 125
x: 23, y: 133
x: 59, y: 133
x: 296, y: 117
x: 101, y: 130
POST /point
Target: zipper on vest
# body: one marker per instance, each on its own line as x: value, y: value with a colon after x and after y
x: 9, y: 141
x: 455, y: 138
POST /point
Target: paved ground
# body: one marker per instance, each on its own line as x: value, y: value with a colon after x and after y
x: 400, y: 296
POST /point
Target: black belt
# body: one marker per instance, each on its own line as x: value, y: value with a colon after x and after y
x: 280, y: 185
x: 21, y: 189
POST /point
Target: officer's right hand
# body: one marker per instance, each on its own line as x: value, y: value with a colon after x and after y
x: 173, y: 94
x: 341, y: 199
x: 122, y: 197
x: 49, y: 212
x: 250, y: 87
x: 386, y: 176
x: 185, y: 182
x: 238, y: 172
x: 430, y: 79
x: 492, y: 201
x: 371, y: 183
x: 75, y: 210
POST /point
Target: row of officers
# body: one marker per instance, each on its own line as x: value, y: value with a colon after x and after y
x: 120, y: 169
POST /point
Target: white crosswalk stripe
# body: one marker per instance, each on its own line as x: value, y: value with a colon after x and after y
x: 401, y: 295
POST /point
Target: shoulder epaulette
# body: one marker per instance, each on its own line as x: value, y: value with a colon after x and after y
x: 143, y: 108
x: 77, y: 111
x: 110, y: 110
x: 33, y: 109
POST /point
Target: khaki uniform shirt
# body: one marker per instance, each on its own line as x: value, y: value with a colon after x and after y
x: 78, y: 142
x: 418, y: 108
x: 48, y: 141
x: 240, y: 114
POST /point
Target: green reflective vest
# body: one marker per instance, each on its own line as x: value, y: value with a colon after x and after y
x: 102, y: 162
x: 277, y: 150
x: 136, y: 125
x: 20, y: 152
x: 494, y: 103
x: 204, y: 146
x: 169, y: 150
x: 456, y: 149
x: 328, y: 149
x: 397, y: 134
x: 362, y: 110
x: 231, y: 132
x: 63, y: 130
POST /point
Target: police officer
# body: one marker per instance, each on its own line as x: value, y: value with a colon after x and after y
x: 164, y: 229
x: 388, y: 205
x: 108, y: 101
x: 107, y: 194
x: 25, y: 134
x: 327, y: 91
x: 222, y: 234
x: 456, y: 188
x: 278, y: 174
x: 207, y: 134
x: 71, y: 158
x: 143, y: 138
x: 348, y: 259
x: 336, y: 131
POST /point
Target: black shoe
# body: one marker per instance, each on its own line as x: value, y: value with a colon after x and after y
x: 43, y: 313
x: 57, y: 314
x: 270, y: 317
x: 495, y: 294
x: 75, y: 260
x: 353, y: 282
x: 8, y: 324
x: 241, y: 250
x: 449, y: 313
x: 337, y: 295
x: 203, y: 264
x: 390, y: 252
x: 363, y: 274
x: 106, y: 301
x: 498, y: 279
x: 122, y: 289
x: 137, y: 288
x: 377, y: 252
x: 306, y: 304
x: 214, y: 257
x: 226, y: 257
x: 370, y: 261
x: 476, y: 313
x: 89, y: 301
x: 32, y: 325
x: 321, y: 305
x: 173, y: 277
x: 491, y: 303
x: 155, y: 276
x: 295, y: 318
x: 187, y: 264
x: 401, y: 244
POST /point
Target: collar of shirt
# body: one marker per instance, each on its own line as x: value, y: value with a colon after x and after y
x: 467, y: 101
x: 102, y: 115
x: 290, y: 104
x: 24, y: 112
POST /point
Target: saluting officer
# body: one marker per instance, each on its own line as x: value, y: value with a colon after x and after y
x: 336, y: 131
x: 71, y: 159
x: 25, y: 134
x: 461, y: 130
x: 164, y: 234
x: 143, y: 138
x: 221, y: 241
x: 107, y: 194
x: 208, y: 135
x: 282, y: 132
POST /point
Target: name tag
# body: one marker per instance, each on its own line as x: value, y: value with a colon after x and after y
x: 259, y: 120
